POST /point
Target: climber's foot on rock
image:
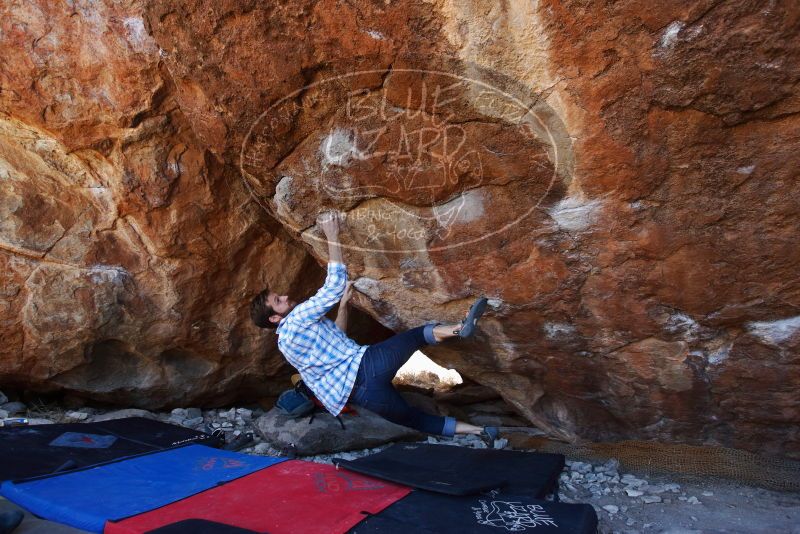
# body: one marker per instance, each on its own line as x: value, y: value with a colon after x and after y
x: 471, y: 319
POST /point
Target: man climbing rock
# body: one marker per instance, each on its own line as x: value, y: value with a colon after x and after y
x: 336, y: 368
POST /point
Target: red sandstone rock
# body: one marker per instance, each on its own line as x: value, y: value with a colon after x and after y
x: 636, y: 230
x: 128, y: 252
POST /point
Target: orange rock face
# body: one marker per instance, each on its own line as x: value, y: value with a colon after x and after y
x: 620, y: 180
x: 128, y: 252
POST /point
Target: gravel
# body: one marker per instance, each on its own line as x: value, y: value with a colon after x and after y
x: 14, y: 408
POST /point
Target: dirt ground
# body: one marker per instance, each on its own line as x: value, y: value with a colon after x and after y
x: 723, y: 507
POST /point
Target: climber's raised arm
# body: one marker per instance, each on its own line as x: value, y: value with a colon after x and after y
x: 335, y: 282
x: 329, y: 223
x: 341, y: 315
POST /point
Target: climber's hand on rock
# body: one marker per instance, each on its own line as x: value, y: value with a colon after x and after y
x: 329, y: 223
x: 348, y: 293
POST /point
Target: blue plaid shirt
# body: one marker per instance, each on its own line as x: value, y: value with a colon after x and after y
x: 325, y: 357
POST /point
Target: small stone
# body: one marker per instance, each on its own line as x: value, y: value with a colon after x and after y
x: 500, y: 443
x: 36, y: 421
x: 126, y: 412
x: 624, y: 508
x: 179, y: 412
x: 76, y: 416
x: 581, y: 467
x: 244, y: 413
x: 192, y: 413
x: 611, y: 509
x: 633, y: 492
x: 14, y: 408
x: 176, y: 419
x: 651, y: 499
x: 681, y: 498
x: 630, y: 522
x: 694, y: 518
x: 261, y: 448
x: 693, y: 500
x: 611, y: 466
x: 194, y: 422
x: 3, y: 414
x: 708, y: 493
x: 630, y: 480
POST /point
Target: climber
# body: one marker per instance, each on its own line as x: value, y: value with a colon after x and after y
x: 336, y: 368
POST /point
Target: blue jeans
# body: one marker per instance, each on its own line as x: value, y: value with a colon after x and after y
x: 373, y: 386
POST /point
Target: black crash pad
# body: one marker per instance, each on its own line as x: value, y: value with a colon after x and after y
x: 461, y: 471
x: 200, y: 526
x: 30, y: 451
x: 429, y: 513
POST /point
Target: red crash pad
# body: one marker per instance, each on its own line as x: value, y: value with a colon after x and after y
x: 290, y: 497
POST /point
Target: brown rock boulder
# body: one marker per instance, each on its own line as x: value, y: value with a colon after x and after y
x: 129, y: 254
x: 620, y: 179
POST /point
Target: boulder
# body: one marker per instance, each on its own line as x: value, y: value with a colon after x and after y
x: 619, y: 178
x: 324, y: 435
x: 591, y: 168
x: 128, y: 253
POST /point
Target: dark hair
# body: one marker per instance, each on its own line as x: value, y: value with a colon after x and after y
x: 260, y: 311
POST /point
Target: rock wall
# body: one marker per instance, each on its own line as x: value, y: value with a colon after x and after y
x: 620, y: 179
x: 128, y: 252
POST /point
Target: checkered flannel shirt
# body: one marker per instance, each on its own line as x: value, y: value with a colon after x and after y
x: 325, y: 357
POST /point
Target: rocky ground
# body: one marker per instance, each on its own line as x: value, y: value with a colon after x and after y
x: 625, y: 502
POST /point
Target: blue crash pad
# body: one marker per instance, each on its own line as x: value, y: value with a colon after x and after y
x: 87, y: 499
